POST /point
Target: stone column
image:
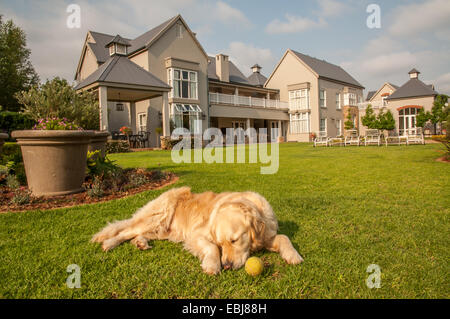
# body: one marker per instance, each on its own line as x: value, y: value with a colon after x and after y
x: 132, y: 118
x: 103, y: 107
x: 165, y: 114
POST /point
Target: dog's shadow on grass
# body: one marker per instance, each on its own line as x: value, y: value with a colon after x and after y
x: 289, y: 228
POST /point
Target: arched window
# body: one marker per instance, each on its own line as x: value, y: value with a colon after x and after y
x: 407, y: 119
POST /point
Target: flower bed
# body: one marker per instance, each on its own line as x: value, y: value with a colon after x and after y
x: 97, y: 189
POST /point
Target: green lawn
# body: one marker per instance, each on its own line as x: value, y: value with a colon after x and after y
x: 343, y: 208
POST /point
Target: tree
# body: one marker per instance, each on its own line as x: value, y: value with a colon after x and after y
x: 422, y: 118
x: 438, y: 113
x: 369, y: 119
x: 56, y: 98
x: 349, y: 125
x: 385, y: 121
x: 16, y: 70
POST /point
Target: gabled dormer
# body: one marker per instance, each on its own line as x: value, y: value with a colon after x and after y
x: 118, y: 46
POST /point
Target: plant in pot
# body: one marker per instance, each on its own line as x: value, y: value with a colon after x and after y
x: 54, y: 154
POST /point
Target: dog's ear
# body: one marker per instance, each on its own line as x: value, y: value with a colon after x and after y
x: 257, y: 232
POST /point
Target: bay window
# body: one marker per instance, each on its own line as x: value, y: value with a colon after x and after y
x: 187, y: 116
x: 299, y: 99
x: 184, y: 83
x: 299, y: 123
x: 350, y: 99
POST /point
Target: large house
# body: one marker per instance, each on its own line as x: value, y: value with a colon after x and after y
x: 404, y: 102
x: 164, y: 79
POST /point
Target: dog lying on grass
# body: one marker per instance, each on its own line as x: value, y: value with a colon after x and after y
x: 220, y: 229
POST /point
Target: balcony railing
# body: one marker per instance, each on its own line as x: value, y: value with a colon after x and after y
x: 219, y: 98
x: 375, y: 105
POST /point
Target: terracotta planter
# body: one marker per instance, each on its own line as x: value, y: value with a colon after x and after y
x: 3, y: 137
x: 55, y: 161
x: 280, y: 139
x: 98, y: 142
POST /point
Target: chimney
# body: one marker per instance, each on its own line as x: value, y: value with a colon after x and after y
x: 222, y: 67
x: 414, y: 74
x: 256, y: 68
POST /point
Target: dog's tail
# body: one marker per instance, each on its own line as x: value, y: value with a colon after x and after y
x: 112, y: 230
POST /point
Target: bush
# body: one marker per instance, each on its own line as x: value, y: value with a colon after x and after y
x: 100, y: 166
x: 117, y: 147
x: 97, y: 188
x: 50, y: 124
x: 21, y: 196
x: 57, y: 98
x: 12, y: 121
x: 11, y: 157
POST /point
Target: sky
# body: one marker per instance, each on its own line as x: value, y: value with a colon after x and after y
x: 412, y: 33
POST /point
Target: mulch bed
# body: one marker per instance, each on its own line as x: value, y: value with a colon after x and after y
x: 52, y: 202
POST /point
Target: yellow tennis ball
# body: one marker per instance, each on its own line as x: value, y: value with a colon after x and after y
x: 254, y: 266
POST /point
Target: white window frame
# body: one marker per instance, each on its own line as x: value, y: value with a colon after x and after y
x: 339, y: 127
x: 300, y: 123
x: 338, y: 101
x: 299, y: 99
x: 324, y: 98
x: 179, y: 31
x: 140, y: 125
x: 193, y: 111
x: 350, y: 99
x: 177, y: 81
x: 320, y: 125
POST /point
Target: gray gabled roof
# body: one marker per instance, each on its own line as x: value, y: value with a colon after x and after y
x: 99, y: 47
x: 118, y: 39
x: 327, y: 70
x: 236, y: 75
x: 143, y: 40
x: 119, y: 69
x: 370, y: 95
x: 257, y: 79
x: 393, y: 85
x: 412, y: 88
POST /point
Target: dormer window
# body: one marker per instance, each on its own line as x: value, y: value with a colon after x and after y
x: 118, y: 46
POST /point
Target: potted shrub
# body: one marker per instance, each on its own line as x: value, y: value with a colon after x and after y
x: 98, y: 142
x: 54, y: 154
x: 3, y: 137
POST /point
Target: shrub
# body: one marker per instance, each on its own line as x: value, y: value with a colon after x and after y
x: 21, y: 196
x: 57, y: 98
x: 100, y: 166
x: 97, y: 188
x: 137, y: 179
x: 11, y: 121
x: 11, y: 157
x: 50, y: 124
x: 12, y: 182
x: 117, y: 147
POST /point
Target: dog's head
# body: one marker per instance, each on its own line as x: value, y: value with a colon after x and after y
x: 237, y: 227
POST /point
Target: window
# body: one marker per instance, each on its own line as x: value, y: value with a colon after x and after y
x: 383, y: 99
x: 179, y: 28
x: 184, y: 83
x: 142, y: 122
x: 187, y: 116
x: 121, y: 49
x: 299, y: 99
x: 299, y: 123
x: 339, y: 127
x: 338, y: 101
x: 323, y: 98
x: 407, y: 120
x: 323, y: 125
x: 350, y: 99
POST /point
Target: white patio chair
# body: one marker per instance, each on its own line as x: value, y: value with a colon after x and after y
x: 372, y: 137
x: 352, y: 138
x: 321, y: 139
x: 415, y: 136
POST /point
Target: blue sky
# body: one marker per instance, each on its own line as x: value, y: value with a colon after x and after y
x: 412, y: 34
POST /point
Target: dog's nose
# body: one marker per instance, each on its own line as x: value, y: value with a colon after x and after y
x: 227, y: 265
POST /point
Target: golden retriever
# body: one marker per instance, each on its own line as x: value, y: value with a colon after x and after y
x: 220, y: 229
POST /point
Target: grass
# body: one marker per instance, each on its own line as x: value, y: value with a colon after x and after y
x: 343, y: 208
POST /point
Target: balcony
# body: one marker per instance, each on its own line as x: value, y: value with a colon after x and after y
x: 375, y: 105
x: 237, y: 100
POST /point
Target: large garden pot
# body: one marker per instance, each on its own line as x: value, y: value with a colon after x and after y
x: 3, y: 137
x: 98, y: 142
x: 55, y: 161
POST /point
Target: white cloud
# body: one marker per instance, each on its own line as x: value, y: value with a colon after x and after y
x: 294, y: 24
x: 225, y: 13
x: 387, y: 63
x: 442, y: 84
x: 329, y: 8
x: 433, y: 15
x: 245, y: 55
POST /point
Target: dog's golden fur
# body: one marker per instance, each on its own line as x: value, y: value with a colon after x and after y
x: 220, y: 229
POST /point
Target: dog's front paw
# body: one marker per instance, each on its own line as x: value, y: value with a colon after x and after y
x: 211, y: 267
x: 293, y: 257
x: 109, y: 244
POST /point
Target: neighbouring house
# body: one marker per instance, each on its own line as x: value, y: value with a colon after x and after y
x: 164, y: 79
x: 320, y: 95
x: 404, y: 102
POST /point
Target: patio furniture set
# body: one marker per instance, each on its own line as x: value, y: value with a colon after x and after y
x: 139, y: 140
x: 371, y: 137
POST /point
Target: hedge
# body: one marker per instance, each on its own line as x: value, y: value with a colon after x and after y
x: 11, y: 121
